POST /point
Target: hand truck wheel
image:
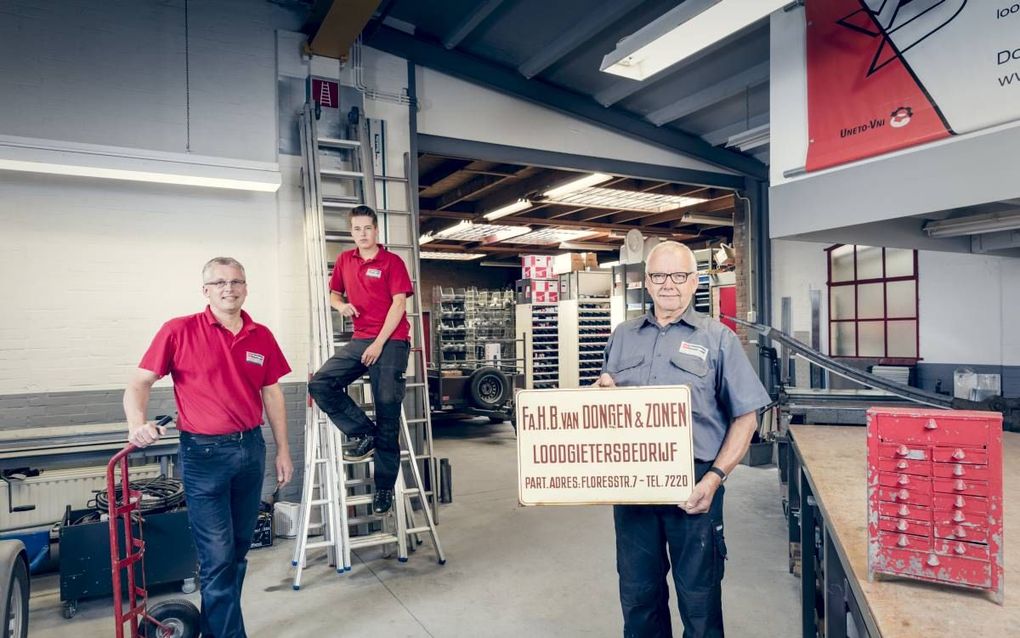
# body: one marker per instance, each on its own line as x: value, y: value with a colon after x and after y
x: 180, y: 619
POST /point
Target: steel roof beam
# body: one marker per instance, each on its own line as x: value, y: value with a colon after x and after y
x: 508, y: 81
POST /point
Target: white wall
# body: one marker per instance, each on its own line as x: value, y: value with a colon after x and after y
x: 454, y: 108
x: 91, y: 268
x: 967, y: 303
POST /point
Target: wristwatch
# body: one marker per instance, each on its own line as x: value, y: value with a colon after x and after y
x: 719, y: 473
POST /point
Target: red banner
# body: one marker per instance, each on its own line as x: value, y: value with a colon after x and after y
x: 863, y: 97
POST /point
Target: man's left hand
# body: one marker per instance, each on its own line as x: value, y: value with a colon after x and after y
x: 701, y: 496
x: 371, y: 354
x: 284, y: 469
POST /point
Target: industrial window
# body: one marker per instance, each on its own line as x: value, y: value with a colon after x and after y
x: 872, y: 302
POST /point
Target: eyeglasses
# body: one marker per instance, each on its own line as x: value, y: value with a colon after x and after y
x: 220, y: 284
x: 677, y: 277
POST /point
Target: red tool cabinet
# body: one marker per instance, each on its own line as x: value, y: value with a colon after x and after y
x: 935, y: 496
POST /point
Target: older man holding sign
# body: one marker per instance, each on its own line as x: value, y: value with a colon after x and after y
x: 659, y: 446
x: 673, y: 345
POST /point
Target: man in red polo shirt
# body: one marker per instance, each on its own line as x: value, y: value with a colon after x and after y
x: 225, y: 369
x: 376, y: 286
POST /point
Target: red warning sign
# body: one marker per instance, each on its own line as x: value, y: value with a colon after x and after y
x: 326, y: 93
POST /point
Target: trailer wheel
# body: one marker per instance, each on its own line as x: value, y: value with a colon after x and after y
x: 179, y: 617
x: 15, y: 616
x: 489, y: 388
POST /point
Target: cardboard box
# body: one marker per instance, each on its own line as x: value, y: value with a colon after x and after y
x: 538, y: 290
x: 536, y: 266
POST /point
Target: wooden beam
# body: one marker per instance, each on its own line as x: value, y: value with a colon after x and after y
x: 448, y: 169
x: 341, y: 27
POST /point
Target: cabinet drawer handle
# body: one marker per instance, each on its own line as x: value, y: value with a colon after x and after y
x: 959, y: 502
x: 959, y: 454
x: 960, y: 532
x: 904, y: 510
x: 959, y: 486
x: 931, y: 425
x: 903, y: 450
x: 902, y: 465
x: 903, y: 542
x: 902, y: 525
x: 960, y: 549
x: 903, y: 480
x: 958, y: 470
x: 958, y: 517
x: 903, y: 495
x: 933, y: 560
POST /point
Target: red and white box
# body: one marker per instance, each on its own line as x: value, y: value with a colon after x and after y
x: 536, y: 266
x: 935, y: 496
x: 546, y: 290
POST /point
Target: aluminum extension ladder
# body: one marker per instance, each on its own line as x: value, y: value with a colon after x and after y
x: 336, y: 490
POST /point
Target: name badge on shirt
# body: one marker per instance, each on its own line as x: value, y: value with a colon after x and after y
x: 374, y: 273
x: 694, y: 350
x: 254, y: 357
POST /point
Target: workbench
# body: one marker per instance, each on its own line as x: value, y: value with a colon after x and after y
x: 827, y: 504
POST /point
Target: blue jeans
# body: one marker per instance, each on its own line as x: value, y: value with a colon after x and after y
x: 651, y: 540
x: 223, y: 486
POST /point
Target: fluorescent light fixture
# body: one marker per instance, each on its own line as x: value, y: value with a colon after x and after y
x: 577, y: 245
x: 682, y: 32
x: 750, y: 139
x: 488, y: 233
x: 708, y: 220
x: 31, y: 155
x: 426, y: 238
x: 575, y: 185
x: 617, y: 199
x: 547, y: 236
x: 509, y: 209
x: 500, y: 264
x: 974, y: 224
x: 450, y: 256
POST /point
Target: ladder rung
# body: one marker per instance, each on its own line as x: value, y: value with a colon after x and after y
x: 410, y: 421
x: 340, y: 202
x: 336, y: 172
x: 364, y: 499
x: 318, y: 544
x: 364, y: 520
x: 335, y: 142
x: 390, y: 178
x: 319, y: 501
x: 372, y: 540
x: 419, y: 530
x: 416, y: 385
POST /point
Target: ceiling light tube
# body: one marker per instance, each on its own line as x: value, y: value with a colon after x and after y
x: 73, y: 159
x: 576, y: 245
x: 695, y: 218
x: 452, y: 230
x: 578, y: 184
x: 509, y: 209
x: 426, y: 238
x: 974, y: 224
x: 681, y: 33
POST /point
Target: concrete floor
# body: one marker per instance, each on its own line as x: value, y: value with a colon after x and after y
x: 511, y: 571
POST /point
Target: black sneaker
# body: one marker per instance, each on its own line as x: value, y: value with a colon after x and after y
x: 361, y: 448
x: 383, y: 501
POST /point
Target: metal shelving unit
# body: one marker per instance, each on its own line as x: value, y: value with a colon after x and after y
x: 630, y: 297
x: 584, y: 332
x: 538, y: 328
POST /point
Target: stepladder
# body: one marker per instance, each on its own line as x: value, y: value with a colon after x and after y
x: 341, y: 169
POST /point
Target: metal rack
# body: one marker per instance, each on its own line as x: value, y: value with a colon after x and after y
x: 538, y: 327
x: 630, y: 297
x: 584, y: 330
x: 474, y: 327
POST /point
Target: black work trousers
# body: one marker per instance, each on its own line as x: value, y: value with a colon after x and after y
x: 329, y: 389
x: 651, y: 540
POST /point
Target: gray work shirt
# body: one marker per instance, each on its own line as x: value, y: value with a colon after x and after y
x: 695, y: 350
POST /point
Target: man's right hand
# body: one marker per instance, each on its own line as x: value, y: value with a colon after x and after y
x: 145, y: 434
x: 604, y: 381
x: 347, y: 310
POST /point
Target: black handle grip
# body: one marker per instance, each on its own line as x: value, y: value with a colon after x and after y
x: 164, y: 419
x: 23, y: 508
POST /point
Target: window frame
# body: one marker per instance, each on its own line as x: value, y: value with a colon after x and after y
x: 884, y: 318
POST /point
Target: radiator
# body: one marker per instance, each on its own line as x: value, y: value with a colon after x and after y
x: 54, y: 490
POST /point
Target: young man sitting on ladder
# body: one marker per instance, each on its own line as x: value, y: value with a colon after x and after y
x: 376, y: 286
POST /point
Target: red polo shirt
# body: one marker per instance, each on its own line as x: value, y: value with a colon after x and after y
x: 370, y: 285
x: 218, y: 377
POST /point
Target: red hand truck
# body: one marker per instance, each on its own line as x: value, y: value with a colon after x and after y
x: 169, y: 619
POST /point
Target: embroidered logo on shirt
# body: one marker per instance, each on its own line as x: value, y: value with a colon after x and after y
x: 694, y: 350
x: 374, y: 272
x: 254, y: 357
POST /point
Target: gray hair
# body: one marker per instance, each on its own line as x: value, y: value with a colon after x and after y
x: 674, y: 247
x: 219, y: 261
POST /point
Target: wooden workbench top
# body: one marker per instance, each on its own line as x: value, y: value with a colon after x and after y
x: 835, y: 458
